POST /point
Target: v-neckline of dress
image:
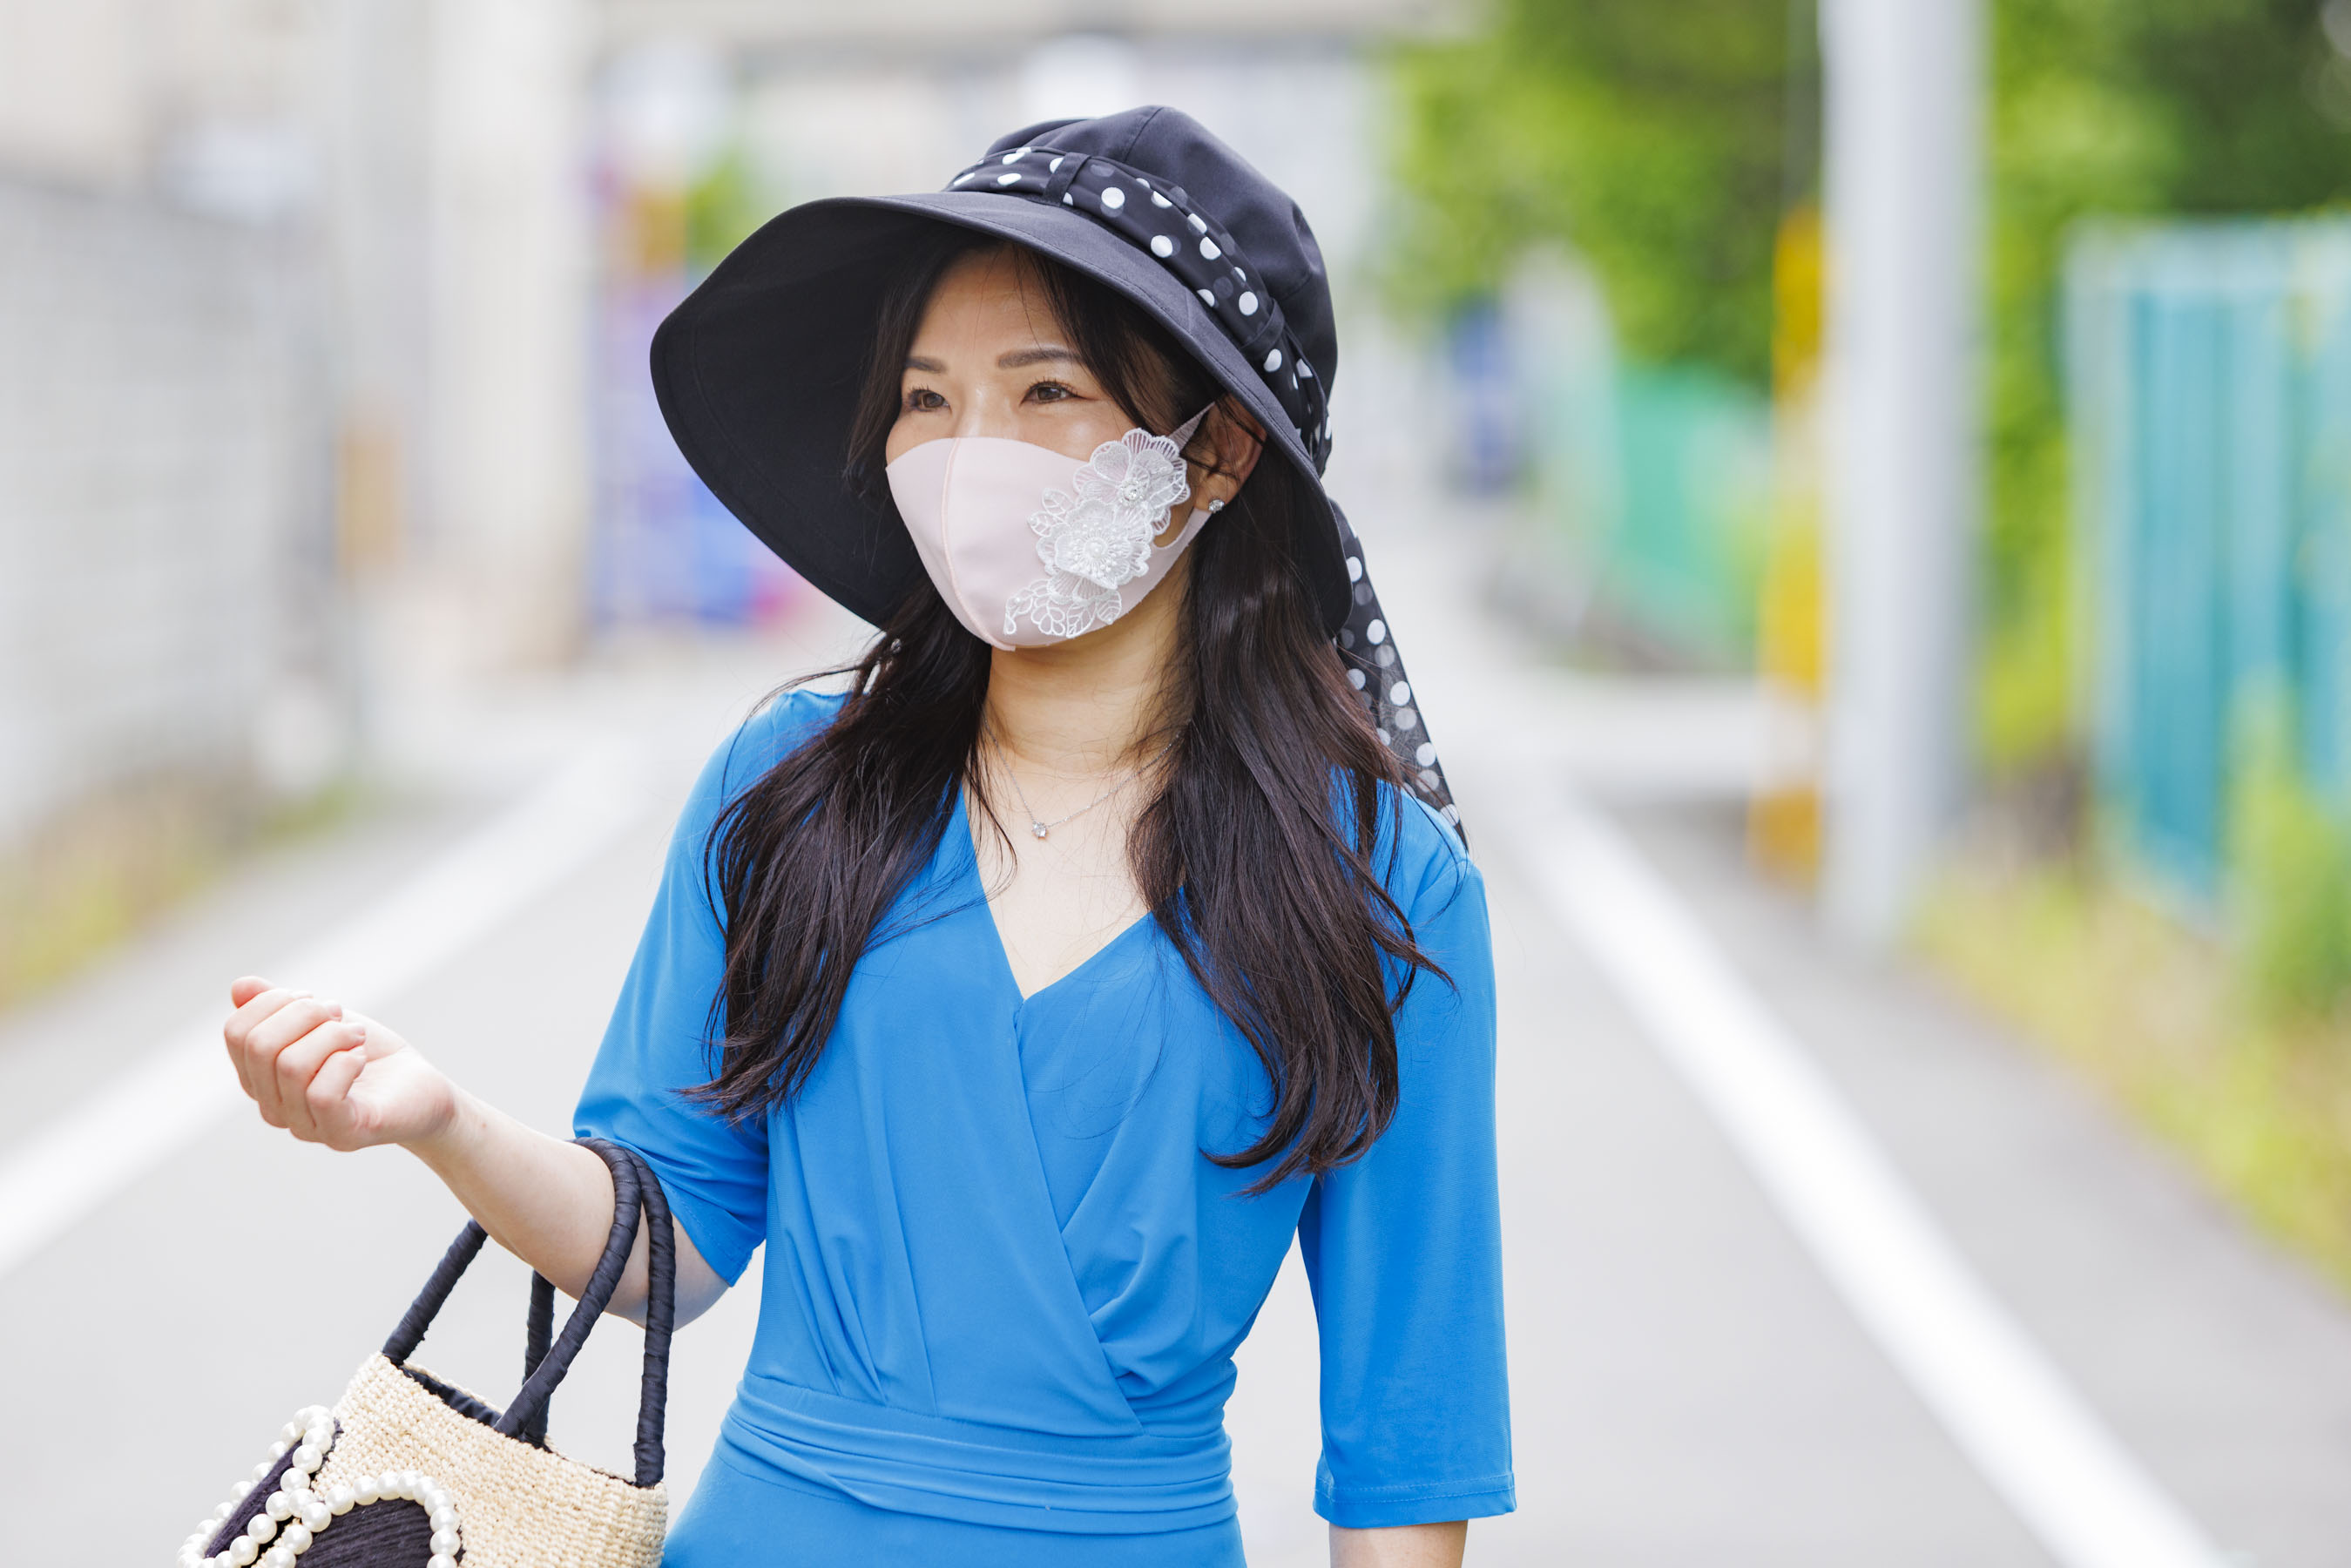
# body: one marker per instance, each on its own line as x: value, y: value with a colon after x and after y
x: 963, y: 825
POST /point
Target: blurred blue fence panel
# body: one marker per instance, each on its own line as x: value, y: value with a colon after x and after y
x: 2209, y: 389
x: 1649, y: 487
x: 1685, y: 558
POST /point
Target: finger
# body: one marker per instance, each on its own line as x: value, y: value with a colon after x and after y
x: 254, y: 1011
x: 299, y: 1064
x: 237, y: 1032
x: 329, y: 1099
x: 299, y: 1068
x: 295, y: 1064
x: 273, y: 1035
x: 244, y: 988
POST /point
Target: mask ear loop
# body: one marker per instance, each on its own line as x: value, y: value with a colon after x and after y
x: 1181, y: 436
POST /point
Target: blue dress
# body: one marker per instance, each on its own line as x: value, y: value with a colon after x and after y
x: 1003, y: 1284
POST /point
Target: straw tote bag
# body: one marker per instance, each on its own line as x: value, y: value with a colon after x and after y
x: 413, y: 1472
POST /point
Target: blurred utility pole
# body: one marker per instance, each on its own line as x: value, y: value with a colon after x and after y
x: 457, y: 226
x: 511, y: 266
x: 1903, y: 81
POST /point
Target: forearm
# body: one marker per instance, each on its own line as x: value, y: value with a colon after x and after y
x: 1406, y: 1546
x: 547, y: 1202
x: 349, y: 1082
x: 550, y: 1203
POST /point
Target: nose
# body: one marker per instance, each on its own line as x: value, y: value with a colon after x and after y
x: 987, y: 412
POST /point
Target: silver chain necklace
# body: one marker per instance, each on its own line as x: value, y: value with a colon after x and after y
x: 1039, y: 829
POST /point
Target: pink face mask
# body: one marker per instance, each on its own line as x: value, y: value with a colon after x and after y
x: 1030, y: 546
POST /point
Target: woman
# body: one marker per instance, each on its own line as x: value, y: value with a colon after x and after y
x: 1111, y: 932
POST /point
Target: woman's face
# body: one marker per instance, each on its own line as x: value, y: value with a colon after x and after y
x: 989, y: 360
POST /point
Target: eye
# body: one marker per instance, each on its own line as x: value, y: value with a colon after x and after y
x: 1051, y: 391
x: 923, y: 399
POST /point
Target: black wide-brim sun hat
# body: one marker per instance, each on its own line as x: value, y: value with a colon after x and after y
x: 761, y: 369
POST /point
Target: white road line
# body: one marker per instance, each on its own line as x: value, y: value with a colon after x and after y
x: 50, y: 1184
x: 2010, y: 1410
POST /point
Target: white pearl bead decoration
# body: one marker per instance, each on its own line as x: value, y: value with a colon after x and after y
x: 295, y: 1515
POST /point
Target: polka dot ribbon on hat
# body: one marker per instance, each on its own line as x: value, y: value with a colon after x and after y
x: 1159, y: 220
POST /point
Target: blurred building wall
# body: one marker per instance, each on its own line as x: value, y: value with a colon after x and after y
x: 292, y: 410
x: 166, y: 563
x: 307, y: 335
x: 162, y: 489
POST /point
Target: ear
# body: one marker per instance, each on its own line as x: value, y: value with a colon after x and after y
x: 1231, y: 440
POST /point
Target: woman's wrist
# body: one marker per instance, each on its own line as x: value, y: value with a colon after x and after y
x: 450, y: 1143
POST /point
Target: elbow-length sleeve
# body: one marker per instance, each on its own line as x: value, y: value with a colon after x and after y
x: 1403, y: 1249
x: 657, y: 1045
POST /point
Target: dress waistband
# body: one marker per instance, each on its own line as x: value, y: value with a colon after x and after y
x: 1134, y: 1483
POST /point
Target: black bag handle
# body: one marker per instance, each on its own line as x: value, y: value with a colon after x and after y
x: 635, y: 1191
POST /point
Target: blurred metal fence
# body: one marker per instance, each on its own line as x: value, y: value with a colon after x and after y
x: 2208, y: 380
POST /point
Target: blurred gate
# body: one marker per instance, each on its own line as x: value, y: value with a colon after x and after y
x: 2209, y: 387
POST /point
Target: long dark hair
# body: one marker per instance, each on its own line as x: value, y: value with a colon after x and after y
x: 1256, y: 856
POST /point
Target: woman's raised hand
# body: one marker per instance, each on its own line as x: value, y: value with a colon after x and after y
x: 331, y: 1077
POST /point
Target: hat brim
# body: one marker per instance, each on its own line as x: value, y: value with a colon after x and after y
x: 759, y: 370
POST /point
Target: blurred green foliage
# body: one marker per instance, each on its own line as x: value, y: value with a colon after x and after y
x: 1664, y: 142
x: 2290, y: 856
x: 2152, y: 1009
x: 722, y: 209
x: 1654, y: 138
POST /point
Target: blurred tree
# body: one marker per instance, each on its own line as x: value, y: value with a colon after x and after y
x: 722, y: 207
x: 1665, y: 141
x: 1655, y: 139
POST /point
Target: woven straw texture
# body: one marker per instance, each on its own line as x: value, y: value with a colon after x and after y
x: 517, y: 1506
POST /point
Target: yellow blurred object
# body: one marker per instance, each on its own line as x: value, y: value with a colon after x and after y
x: 650, y: 231
x: 1783, y: 825
x: 368, y: 500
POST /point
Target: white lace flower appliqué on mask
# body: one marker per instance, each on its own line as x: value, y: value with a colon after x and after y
x: 1096, y: 536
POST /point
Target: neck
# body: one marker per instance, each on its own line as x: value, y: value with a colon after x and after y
x: 1092, y: 704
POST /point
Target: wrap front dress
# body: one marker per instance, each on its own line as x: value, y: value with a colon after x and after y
x: 1003, y: 1282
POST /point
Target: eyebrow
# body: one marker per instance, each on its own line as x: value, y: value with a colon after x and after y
x: 1039, y: 355
x: 1017, y: 359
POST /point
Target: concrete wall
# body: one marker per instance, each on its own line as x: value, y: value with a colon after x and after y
x: 165, y: 563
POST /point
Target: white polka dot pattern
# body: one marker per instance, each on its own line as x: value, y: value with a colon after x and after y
x: 1367, y: 650
x: 1210, y: 265
x: 1199, y: 251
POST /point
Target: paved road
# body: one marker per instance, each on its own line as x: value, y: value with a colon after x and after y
x: 1689, y: 1389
